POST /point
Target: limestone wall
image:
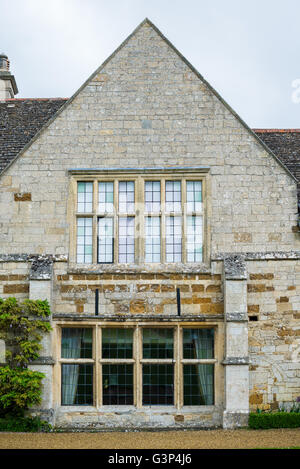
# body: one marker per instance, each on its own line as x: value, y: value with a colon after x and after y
x: 14, y: 280
x: 274, y: 340
x: 138, y: 293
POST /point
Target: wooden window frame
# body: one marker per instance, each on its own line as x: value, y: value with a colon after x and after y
x: 139, y: 214
x: 137, y: 361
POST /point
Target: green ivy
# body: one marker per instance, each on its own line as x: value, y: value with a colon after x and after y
x: 22, y: 325
x: 19, y: 389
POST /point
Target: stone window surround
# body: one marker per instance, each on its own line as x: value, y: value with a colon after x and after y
x: 138, y: 361
x: 139, y: 175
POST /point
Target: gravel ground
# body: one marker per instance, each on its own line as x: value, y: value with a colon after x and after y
x: 210, y: 439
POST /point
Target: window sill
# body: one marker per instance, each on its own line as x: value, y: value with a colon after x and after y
x: 178, y: 268
x: 166, y: 409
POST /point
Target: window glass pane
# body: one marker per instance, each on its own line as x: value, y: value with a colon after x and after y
x: 77, y: 384
x: 152, y: 196
x: 126, y: 196
x: 105, y: 240
x: 198, y: 343
x: 152, y: 239
x: 158, y: 385
x: 106, y: 197
x: 157, y: 343
x: 84, y: 240
x: 198, y: 384
x: 76, y: 342
x: 173, y: 196
x: 85, y: 197
x: 117, y: 384
x: 117, y: 343
x: 194, y: 239
x: 194, y: 196
x: 173, y: 239
x: 126, y: 239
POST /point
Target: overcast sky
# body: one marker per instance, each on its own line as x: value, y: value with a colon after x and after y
x: 249, y: 51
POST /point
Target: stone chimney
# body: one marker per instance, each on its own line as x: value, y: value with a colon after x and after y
x: 8, y: 86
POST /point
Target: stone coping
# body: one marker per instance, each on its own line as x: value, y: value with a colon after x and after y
x: 156, y: 169
x: 33, y: 258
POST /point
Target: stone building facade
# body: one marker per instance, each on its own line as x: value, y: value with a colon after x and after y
x: 164, y: 233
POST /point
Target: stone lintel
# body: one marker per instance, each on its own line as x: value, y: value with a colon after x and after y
x: 170, y: 169
x: 139, y: 317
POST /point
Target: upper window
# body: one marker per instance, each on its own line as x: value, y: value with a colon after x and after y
x: 139, y: 220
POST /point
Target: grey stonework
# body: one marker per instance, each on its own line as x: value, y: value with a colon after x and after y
x: 144, y: 109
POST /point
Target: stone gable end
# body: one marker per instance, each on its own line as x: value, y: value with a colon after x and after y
x: 145, y: 107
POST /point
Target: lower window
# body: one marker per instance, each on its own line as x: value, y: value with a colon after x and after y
x: 138, y: 365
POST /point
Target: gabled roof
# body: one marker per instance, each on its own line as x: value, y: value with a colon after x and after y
x: 20, y: 120
x: 285, y: 143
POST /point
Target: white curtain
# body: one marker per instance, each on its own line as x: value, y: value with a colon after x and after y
x: 70, y: 374
x: 203, y: 372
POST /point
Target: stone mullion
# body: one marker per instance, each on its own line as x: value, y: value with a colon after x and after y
x: 95, y: 222
x: 98, y: 366
x: 116, y: 221
x: 163, y: 221
x: 140, y: 221
x: 178, y: 368
x: 139, y: 366
x: 183, y: 223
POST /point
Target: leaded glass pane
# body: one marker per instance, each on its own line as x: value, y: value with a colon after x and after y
x: 152, y: 196
x: 173, y: 239
x: 198, y: 384
x: 126, y: 239
x: 152, y: 239
x: 77, y: 384
x: 198, y: 343
x: 158, y: 343
x: 158, y: 384
x: 84, y: 197
x: 194, y: 196
x: 126, y: 196
x: 106, y: 197
x: 84, y: 240
x: 117, y: 384
x: 194, y: 239
x: 105, y: 240
x: 76, y: 342
x: 173, y: 196
x: 117, y: 343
